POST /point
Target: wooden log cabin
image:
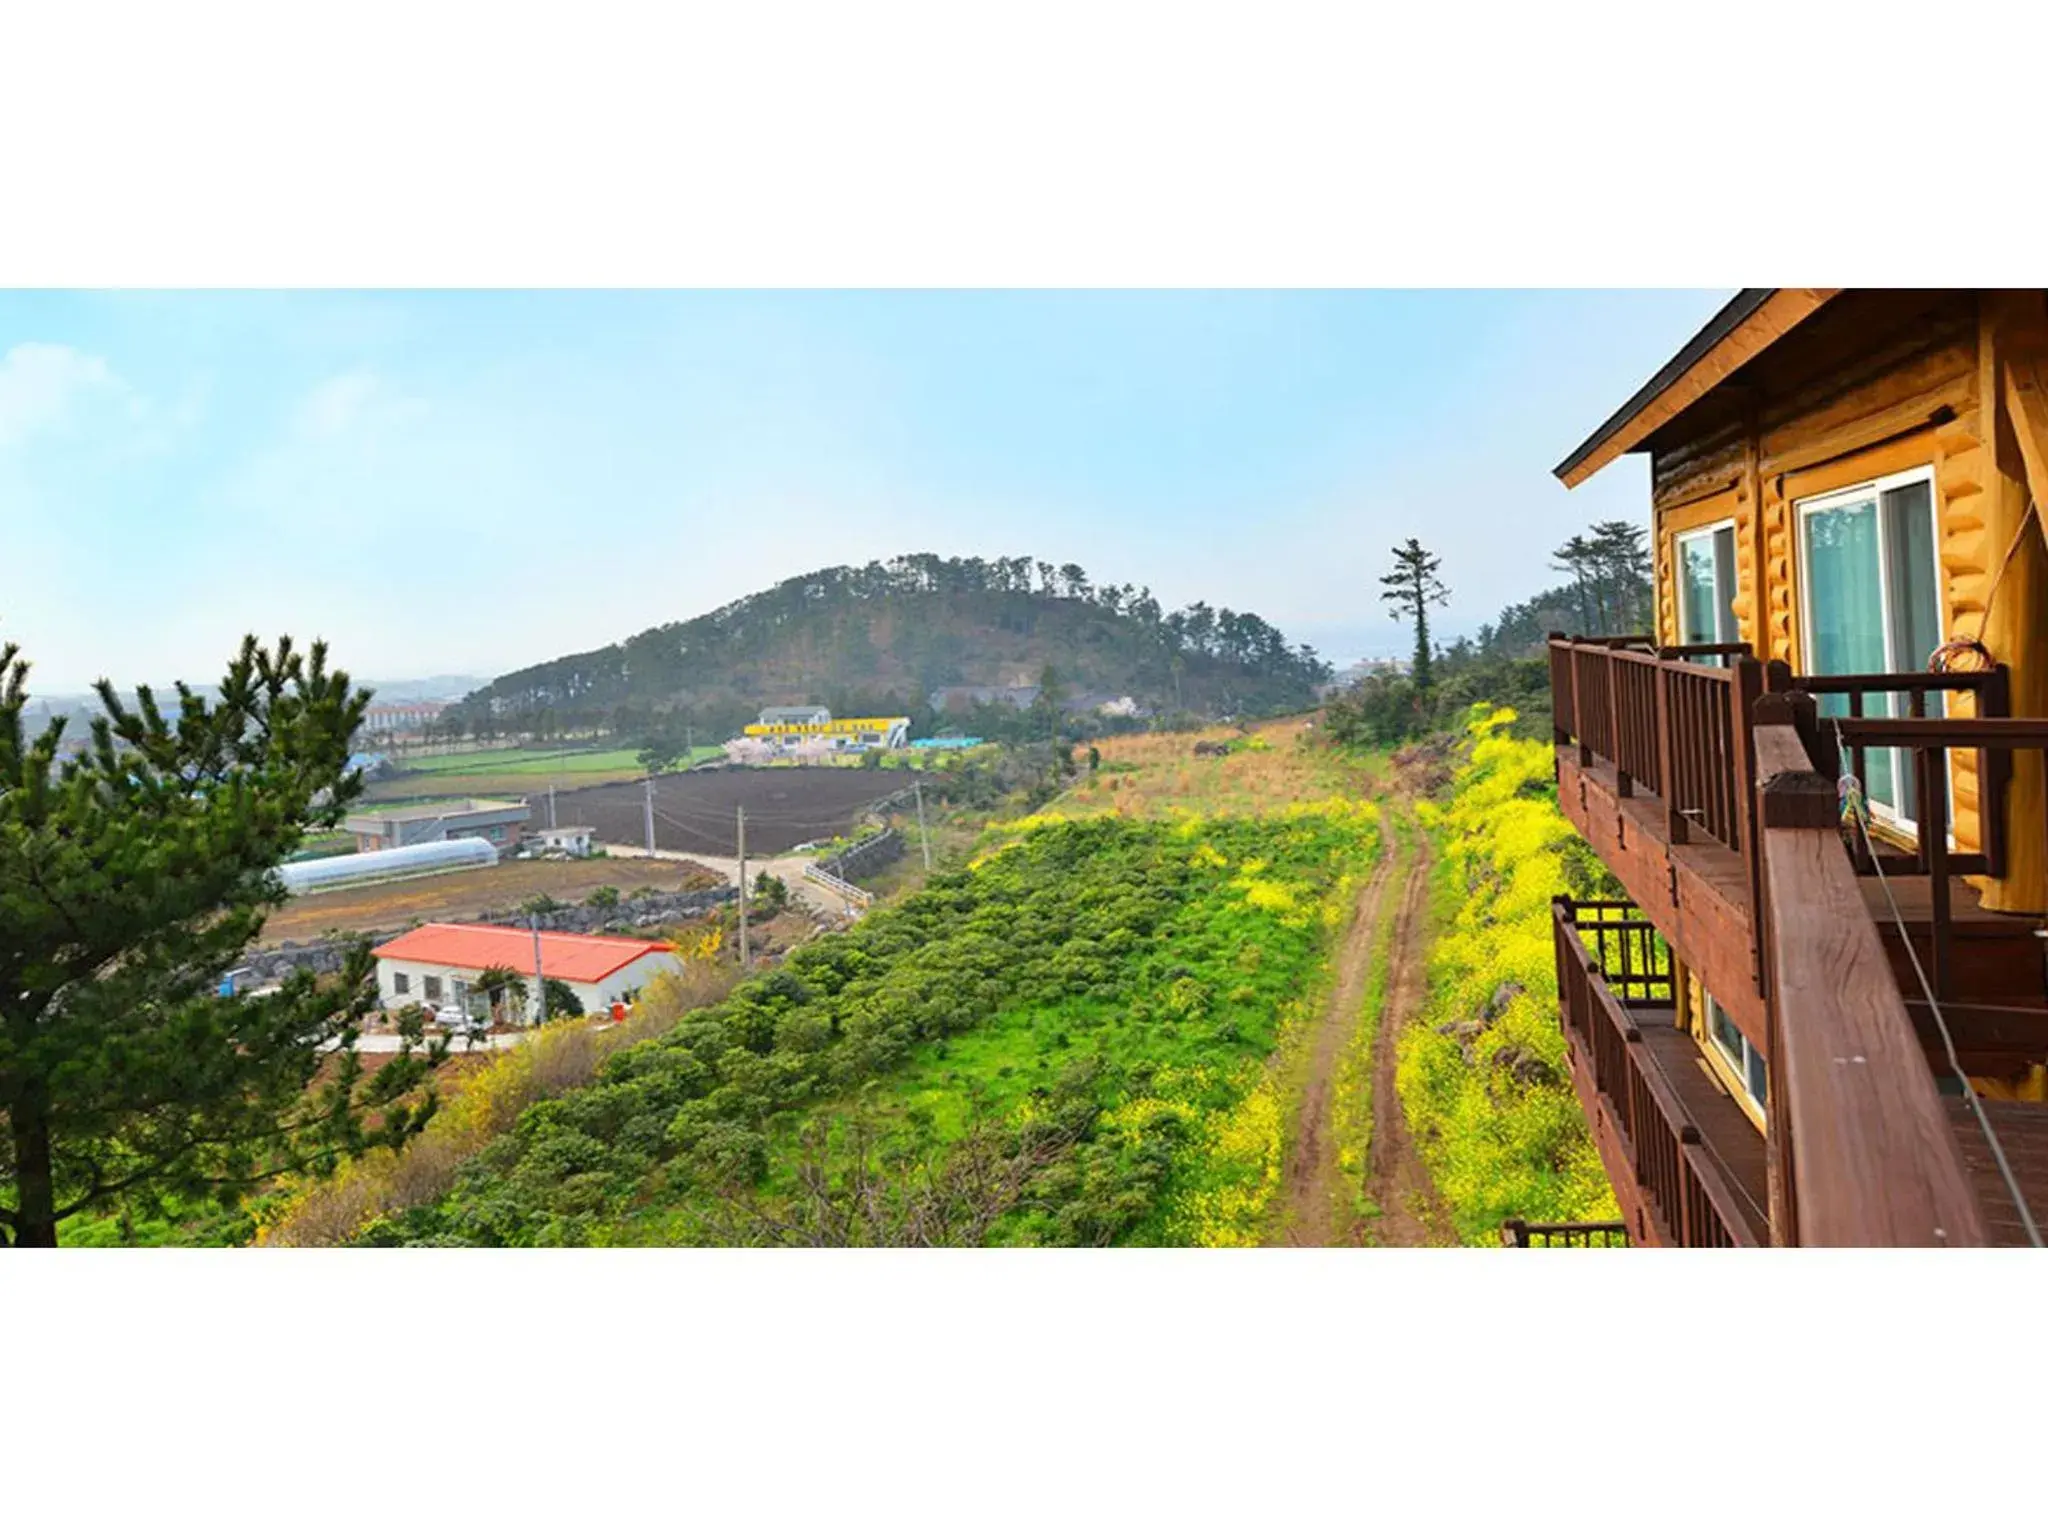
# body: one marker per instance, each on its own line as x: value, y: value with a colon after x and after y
x: 1819, y: 1013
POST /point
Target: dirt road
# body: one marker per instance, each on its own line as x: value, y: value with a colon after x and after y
x: 1409, y: 1212
x: 1317, y: 1208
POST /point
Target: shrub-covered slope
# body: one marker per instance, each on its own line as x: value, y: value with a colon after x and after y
x: 1064, y: 1043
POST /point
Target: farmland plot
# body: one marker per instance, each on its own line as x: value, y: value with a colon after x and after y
x: 695, y: 812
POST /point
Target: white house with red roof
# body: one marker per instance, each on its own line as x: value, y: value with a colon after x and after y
x: 438, y: 963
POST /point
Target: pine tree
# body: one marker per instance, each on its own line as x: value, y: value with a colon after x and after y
x: 132, y: 879
x: 1619, y: 551
x: 1575, y: 558
x: 1412, y: 589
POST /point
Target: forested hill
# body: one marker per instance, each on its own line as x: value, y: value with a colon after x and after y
x: 880, y: 638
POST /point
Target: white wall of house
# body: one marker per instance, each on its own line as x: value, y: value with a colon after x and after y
x: 432, y: 986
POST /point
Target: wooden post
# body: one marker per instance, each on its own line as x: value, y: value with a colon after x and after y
x: 1872, y: 1159
x: 1933, y: 765
x: 1994, y: 772
x: 2012, y: 395
x: 1562, y: 710
x: 1743, y: 693
x: 1675, y: 830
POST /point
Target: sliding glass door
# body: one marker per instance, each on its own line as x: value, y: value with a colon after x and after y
x: 1873, y: 604
x: 1706, y: 586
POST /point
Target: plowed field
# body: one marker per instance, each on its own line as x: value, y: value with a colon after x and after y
x: 695, y: 812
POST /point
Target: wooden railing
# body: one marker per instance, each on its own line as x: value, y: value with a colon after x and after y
x: 1697, y: 1203
x: 1935, y: 736
x: 1863, y: 1153
x: 1667, y: 721
x: 1517, y: 1233
x: 1930, y: 742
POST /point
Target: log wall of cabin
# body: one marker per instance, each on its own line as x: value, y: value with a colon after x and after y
x: 1928, y: 395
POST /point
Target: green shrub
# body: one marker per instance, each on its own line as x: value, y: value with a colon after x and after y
x: 1060, y: 1043
x: 1494, y: 1113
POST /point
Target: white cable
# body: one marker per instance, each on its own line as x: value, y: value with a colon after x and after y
x: 1927, y: 989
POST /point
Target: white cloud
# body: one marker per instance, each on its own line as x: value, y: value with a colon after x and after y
x: 335, y: 405
x: 351, y: 401
x: 42, y: 384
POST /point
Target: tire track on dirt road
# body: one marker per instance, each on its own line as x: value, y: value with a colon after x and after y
x: 1408, y: 1211
x: 1314, y: 1208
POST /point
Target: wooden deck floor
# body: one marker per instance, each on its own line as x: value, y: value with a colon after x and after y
x: 1724, y: 1129
x: 2022, y: 1131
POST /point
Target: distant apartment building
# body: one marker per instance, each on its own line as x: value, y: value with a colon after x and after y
x: 400, y: 719
x: 498, y: 822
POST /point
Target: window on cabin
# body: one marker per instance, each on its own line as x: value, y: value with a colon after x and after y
x: 1744, y: 1060
x: 1706, y: 587
x: 1873, y: 604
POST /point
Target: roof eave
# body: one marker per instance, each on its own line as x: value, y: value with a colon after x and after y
x: 1740, y: 330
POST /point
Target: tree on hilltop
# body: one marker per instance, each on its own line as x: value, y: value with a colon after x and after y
x: 132, y: 879
x: 1411, y: 589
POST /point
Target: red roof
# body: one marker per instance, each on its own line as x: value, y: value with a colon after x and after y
x: 479, y: 946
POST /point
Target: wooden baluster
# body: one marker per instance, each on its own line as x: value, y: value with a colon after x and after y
x: 1933, y: 766
x: 1742, y: 697
x: 1681, y: 758
x: 1624, y: 782
x: 1857, y: 755
x: 1690, y: 1235
x: 1994, y: 771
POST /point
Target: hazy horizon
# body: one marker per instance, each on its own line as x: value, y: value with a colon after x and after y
x: 469, y: 483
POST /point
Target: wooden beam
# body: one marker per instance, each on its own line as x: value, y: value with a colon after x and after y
x: 1777, y: 315
x: 2026, y: 401
x: 1873, y: 1159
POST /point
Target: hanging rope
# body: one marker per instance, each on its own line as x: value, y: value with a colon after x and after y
x: 1853, y: 802
x: 1945, y: 656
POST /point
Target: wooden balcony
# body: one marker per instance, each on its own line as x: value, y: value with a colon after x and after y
x: 1685, y: 1162
x: 1706, y: 783
x: 1657, y: 769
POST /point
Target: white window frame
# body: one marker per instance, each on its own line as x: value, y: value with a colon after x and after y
x: 1737, y: 1067
x: 1678, y: 541
x: 1873, y: 489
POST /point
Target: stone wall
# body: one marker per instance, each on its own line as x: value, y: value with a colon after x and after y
x: 864, y: 858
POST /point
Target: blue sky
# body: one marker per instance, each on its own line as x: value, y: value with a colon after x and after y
x: 469, y: 482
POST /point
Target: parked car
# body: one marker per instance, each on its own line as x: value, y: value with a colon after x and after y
x: 451, y: 1016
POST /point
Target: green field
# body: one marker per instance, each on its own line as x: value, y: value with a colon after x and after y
x: 1070, y: 1040
x: 514, y: 771
x: 520, y: 762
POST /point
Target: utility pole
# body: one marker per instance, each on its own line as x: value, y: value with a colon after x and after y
x: 540, y: 980
x: 746, y: 957
x: 923, y: 837
x: 689, y: 744
x: 650, y: 816
x: 551, y: 807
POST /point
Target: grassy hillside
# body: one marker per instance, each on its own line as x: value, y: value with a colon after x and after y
x: 881, y: 637
x: 1074, y: 1038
